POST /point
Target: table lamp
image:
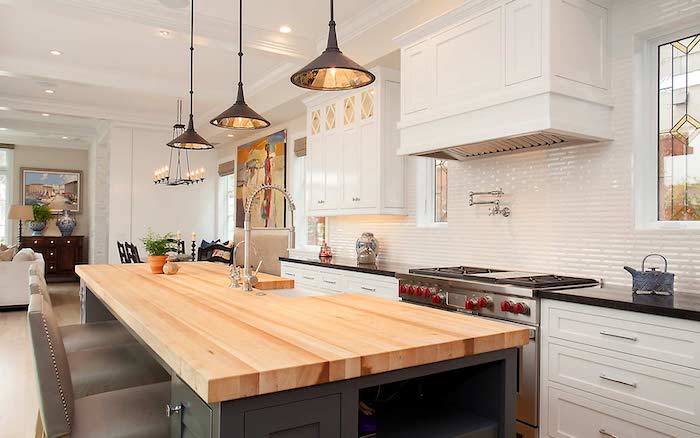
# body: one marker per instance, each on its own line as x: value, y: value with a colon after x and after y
x: 21, y: 213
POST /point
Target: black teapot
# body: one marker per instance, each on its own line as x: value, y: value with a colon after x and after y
x: 652, y: 281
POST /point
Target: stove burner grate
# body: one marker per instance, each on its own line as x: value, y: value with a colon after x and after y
x: 454, y: 272
x: 546, y: 281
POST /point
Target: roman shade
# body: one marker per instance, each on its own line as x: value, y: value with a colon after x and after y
x: 227, y: 168
x: 300, y: 147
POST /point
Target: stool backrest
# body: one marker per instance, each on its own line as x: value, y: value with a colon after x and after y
x: 56, y: 402
x: 37, y: 286
x: 132, y: 252
x: 123, y: 256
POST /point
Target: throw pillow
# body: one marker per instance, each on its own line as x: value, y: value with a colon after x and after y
x: 226, y: 255
x: 24, y: 255
x: 7, y: 254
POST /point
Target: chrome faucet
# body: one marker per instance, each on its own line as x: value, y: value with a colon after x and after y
x: 247, y: 280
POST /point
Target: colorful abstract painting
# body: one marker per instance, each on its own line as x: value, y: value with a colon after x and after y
x: 259, y: 162
x: 58, y: 189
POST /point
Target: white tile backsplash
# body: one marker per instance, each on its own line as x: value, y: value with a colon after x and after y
x: 572, y: 208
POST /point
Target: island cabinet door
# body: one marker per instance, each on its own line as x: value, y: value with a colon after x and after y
x: 190, y: 416
x: 314, y: 418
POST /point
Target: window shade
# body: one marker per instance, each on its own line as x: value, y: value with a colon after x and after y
x: 6, y: 146
x: 227, y: 168
x: 300, y: 147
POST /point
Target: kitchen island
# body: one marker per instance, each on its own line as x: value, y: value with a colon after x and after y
x: 260, y: 364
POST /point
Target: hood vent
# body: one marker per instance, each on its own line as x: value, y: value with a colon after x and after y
x: 535, y: 140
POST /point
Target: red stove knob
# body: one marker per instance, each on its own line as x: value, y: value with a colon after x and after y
x: 470, y: 304
x: 521, y: 308
x: 437, y: 299
x: 507, y: 306
x: 409, y: 290
x: 428, y: 292
x: 485, y: 302
x: 419, y: 292
x: 402, y: 289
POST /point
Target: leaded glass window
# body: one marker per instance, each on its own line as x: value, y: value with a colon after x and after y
x: 679, y: 126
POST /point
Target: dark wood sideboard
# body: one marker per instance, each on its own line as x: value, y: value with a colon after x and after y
x: 61, y: 254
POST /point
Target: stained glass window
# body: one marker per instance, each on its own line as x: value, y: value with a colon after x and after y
x: 440, y: 191
x: 679, y: 126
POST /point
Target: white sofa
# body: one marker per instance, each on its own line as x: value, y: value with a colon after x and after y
x: 14, y: 281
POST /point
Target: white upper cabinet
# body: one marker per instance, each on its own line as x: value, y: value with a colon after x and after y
x: 353, y: 167
x: 505, y: 68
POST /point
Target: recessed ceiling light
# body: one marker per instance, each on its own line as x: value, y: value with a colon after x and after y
x: 56, y: 52
x: 285, y: 29
x: 229, y: 135
x: 3, y: 129
x: 164, y: 33
x: 64, y: 137
x: 4, y: 108
x: 45, y: 114
x: 49, y: 91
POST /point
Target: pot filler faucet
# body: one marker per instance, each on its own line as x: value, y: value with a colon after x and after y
x: 247, y: 283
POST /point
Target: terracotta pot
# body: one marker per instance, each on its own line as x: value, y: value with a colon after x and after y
x: 156, y: 263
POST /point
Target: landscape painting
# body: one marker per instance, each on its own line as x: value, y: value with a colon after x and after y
x: 57, y: 189
x: 262, y: 162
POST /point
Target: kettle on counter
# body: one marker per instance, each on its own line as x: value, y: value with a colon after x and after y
x: 653, y: 281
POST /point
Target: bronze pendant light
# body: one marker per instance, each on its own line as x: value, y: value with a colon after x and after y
x: 190, y: 139
x: 332, y: 71
x: 240, y: 115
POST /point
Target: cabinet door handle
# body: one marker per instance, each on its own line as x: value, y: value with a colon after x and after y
x: 613, y: 335
x: 612, y: 379
x: 606, y: 433
x: 172, y: 410
x: 329, y: 281
x: 371, y: 289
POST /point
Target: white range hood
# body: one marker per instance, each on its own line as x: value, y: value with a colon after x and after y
x: 502, y: 76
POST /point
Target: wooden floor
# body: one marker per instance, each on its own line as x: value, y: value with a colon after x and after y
x: 18, y: 395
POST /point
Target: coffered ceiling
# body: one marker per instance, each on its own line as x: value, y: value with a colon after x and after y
x: 127, y: 60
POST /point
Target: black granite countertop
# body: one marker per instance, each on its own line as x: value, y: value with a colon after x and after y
x: 384, y: 268
x: 681, y: 305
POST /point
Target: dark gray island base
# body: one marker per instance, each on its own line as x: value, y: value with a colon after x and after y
x: 468, y: 397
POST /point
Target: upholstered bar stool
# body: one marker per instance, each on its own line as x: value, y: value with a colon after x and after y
x: 83, y: 336
x: 134, y: 412
x: 110, y: 367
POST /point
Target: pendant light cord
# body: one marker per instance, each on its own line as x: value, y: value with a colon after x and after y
x: 332, y: 15
x: 191, y: 59
x: 240, y: 42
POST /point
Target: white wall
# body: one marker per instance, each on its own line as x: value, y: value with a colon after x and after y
x: 137, y: 204
x: 573, y: 209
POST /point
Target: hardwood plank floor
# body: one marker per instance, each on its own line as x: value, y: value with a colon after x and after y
x: 18, y: 396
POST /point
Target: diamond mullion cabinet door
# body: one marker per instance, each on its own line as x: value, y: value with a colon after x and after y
x: 363, y: 174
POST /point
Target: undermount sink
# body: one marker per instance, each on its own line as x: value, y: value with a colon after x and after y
x: 294, y: 293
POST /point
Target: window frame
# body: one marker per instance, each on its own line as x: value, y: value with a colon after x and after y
x: 7, y: 171
x: 425, y: 194
x: 646, y: 129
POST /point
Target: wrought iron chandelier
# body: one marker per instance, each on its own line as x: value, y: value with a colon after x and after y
x: 177, y: 172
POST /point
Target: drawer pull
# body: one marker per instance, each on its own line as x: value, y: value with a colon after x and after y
x: 613, y: 335
x: 371, y: 289
x: 329, y: 281
x: 308, y: 278
x: 612, y: 379
x: 289, y: 274
x: 608, y: 434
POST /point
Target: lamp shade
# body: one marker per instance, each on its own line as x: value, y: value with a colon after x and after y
x: 21, y: 213
x: 240, y: 115
x: 190, y: 139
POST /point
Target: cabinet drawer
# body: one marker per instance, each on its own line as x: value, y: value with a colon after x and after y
x: 666, y: 390
x: 49, y: 254
x: 317, y: 418
x: 372, y: 287
x: 573, y: 416
x: 655, y: 337
x: 305, y: 277
x: 332, y: 281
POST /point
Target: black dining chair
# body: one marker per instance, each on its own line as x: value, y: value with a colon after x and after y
x: 216, y: 252
x: 180, y: 245
x: 132, y: 252
x: 123, y: 256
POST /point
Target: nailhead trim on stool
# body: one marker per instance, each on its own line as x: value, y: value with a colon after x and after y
x: 58, y: 378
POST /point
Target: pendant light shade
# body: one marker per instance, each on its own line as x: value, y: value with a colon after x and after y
x: 190, y: 139
x: 332, y: 71
x: 240, y: 115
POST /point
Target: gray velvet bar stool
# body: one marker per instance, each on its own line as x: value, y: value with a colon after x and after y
x: 126, y: 413
x: 106, y: 368
x: 82, y: 336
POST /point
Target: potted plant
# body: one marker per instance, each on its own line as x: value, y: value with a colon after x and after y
x: 41, y: 215
x: 157, y: 247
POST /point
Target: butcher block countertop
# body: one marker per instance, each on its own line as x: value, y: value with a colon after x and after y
x: 228, y: 344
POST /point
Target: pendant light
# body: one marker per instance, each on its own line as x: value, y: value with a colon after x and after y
x: 332, y: 71
x: 190, y: 139
x: 240, y: 115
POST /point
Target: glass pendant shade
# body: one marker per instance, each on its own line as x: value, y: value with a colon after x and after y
x: 240, y: 116
x: 332, y: 71
x: 190, y: 139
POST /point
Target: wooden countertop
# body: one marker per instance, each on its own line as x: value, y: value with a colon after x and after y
x: 227, y: 344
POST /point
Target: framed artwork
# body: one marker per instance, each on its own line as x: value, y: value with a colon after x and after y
x: 57, y: 189
x: 259, y: 162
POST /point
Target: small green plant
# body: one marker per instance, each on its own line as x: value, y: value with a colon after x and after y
x: 157, y: 245
x: 41, y: 213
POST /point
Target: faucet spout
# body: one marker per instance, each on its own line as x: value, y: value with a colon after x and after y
x: 247, y: 228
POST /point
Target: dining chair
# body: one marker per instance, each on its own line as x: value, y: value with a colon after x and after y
x: 216, y: 252
x: 132, y: 252
x: 135, y: 412
x: 180, y: 245
x: 123, y: 257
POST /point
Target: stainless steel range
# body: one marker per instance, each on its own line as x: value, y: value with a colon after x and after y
x: 500, y: 294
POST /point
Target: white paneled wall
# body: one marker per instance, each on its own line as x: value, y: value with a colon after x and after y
x: 572, y: 208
